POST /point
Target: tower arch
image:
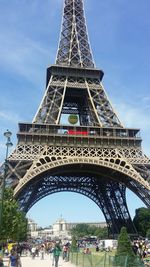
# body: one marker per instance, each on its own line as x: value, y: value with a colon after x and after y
x: 48, y: 147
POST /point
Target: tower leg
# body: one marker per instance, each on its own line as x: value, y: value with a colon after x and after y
x: 112, y: 201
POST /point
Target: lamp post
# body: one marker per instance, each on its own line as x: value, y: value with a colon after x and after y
x: 7, y: 134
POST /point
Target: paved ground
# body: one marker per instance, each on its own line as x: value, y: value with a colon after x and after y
x: 37, y: 262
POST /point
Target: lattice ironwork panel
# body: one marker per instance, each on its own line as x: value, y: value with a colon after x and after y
x: 74, y: 48
x: 29, y: 152
x: 61, y: 93
x: 107, y: 194
x: 49, y: 110
x: 46, y: 161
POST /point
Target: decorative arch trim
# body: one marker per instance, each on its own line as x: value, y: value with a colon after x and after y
x: 46, y: 163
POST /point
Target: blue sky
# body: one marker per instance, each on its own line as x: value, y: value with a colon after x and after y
x: 120, y: 40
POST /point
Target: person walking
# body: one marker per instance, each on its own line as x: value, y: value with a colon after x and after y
x: 14, y: 259
x: 56, y: 254
x: 1, y: 262
x: 65, y: 252
x: 33, y: 252
x: 42, y: 251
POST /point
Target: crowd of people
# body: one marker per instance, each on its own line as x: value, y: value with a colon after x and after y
x: 141, y: 248
x: 34, y: 250
x: 14, y: 252
x: 14, y: 259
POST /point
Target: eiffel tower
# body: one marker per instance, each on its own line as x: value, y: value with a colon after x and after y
x: 76, y: 141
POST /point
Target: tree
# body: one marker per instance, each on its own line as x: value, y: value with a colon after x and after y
x: 124, y: 247
x: 82, y: 230
x: 101, y: 233
x: 148, y: 233
x: 14, y: 222
x: 74, y: 244
x: 142, y: 221
x: 125, y: 255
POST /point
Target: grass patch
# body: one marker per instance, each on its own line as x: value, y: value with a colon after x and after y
x: 98, y: 259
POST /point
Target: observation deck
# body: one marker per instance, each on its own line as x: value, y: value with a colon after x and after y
x: 78, y: 135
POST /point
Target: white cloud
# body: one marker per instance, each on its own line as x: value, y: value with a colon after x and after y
x: 9, y: 116
x: 133, y: 116
x: 146, y: 99
x: 21, y: 55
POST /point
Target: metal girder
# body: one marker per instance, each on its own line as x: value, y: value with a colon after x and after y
x: 74, y: 48
x: 85, y: 97
x: 74, y: 52
x: 99, y: 165
x: 109, y: 195
x: 41, y: 169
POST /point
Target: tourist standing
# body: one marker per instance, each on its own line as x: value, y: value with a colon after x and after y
x: 56, y: 254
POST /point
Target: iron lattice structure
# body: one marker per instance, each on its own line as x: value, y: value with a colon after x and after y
x: 97, y: 157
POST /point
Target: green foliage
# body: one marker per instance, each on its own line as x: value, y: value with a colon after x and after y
x: 82, y: 230
x: 101, y: 233
x: 14, y: 222
x: 124, y: 244
x: 102, y: 259
x: 142, y: 221
x: 148, y: 233
x: 74, y: 244
x: 125, y: 254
